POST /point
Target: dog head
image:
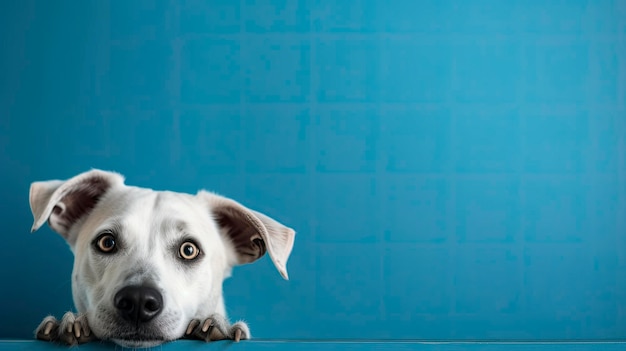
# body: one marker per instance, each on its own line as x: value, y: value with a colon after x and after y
x: 147, y: 262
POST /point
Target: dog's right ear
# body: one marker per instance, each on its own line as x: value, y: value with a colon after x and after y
x: 63, y: 203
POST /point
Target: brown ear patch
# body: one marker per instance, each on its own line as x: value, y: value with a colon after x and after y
x: 79, y: 201
x: 63, y: 203
x: 243, y: 235
x: 251, y: 233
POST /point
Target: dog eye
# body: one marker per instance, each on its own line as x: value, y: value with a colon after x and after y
x: 188, y: 250
x: 106, y: 243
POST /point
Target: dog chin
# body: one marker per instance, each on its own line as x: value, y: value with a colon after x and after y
x: 138, y: 343
x: 137, y: 339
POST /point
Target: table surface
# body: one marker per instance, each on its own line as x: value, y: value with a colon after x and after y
x: 337, y: 345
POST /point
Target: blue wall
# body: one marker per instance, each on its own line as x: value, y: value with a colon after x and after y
x: 454, y: 169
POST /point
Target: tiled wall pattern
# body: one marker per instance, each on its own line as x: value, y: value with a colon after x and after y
x: 455, y: 169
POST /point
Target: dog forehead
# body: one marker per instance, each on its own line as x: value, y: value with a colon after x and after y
x: 135, y: 201
x: 164, y: 212
x: 168, y: 200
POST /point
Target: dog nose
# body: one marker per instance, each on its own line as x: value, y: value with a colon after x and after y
x: 138, y: 304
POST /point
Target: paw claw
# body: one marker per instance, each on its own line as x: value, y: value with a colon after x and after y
x: 240, y: 331
x: 48, y: 328
x: 77, y: 329
x: 194, y: 323
x: 207, y: 324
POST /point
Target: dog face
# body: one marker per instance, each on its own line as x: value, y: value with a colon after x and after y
x: 147, y: 262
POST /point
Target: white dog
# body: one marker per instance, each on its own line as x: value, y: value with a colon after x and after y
x: 149, y: 265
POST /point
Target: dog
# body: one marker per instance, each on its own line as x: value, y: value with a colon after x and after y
x: 149, y: 265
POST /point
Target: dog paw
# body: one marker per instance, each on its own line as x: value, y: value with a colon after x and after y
x: 71, y: 330
x: 216, y: 327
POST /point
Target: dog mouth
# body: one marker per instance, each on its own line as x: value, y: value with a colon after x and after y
x: 137, y: 340
x: 135, y: 335
x: 137, y: 343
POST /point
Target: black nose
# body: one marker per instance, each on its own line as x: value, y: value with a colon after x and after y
x: 138, y: 304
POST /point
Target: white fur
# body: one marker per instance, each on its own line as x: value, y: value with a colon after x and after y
x: 145, y: 222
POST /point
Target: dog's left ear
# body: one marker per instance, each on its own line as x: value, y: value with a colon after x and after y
x: 251, y: 232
